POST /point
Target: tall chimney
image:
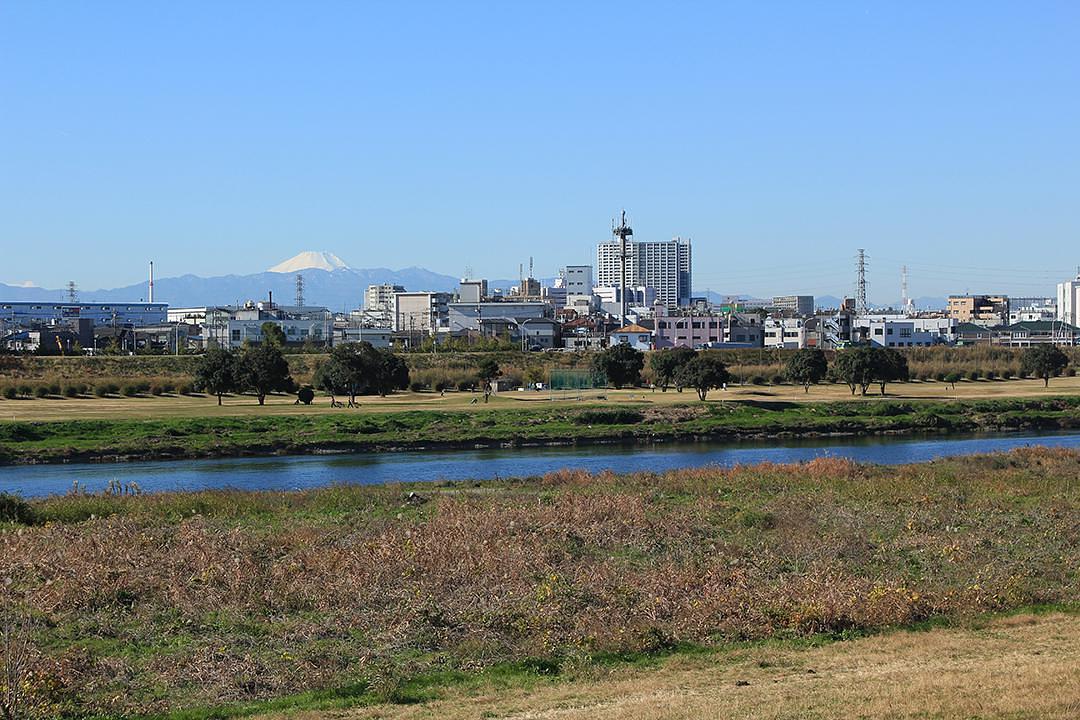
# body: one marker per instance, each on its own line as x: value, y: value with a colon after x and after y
x: 151, y: 281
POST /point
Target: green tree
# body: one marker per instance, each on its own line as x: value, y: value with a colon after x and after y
x: 487, y: 372
x: 389, y: 372
x: 272, y: 333
x: 665, y: 364
x: 621, y: 364
x: 262, y: 369
x: 857, y: 367
x: 890, y: 366
x: 704, y: 373
x: 215, y: 372
x: 305, y: 395
x: 1044, y: 361
x: 359, y: 369
x: 807, y: 367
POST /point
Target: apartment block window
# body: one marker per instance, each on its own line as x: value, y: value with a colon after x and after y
x: 236, y: 335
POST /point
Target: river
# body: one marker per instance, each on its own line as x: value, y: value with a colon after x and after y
x: 305, y: 471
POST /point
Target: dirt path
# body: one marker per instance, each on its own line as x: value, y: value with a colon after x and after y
x: 1019, y: 667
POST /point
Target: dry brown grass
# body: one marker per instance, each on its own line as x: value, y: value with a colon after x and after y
x: 1017, y: 667
x: 221, y: 597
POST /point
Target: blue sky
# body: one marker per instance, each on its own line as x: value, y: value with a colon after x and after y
x: 222, y: 138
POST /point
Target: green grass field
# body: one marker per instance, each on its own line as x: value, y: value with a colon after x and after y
x: 628, y: 418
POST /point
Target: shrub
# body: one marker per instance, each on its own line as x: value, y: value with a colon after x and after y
x: 156, y: 390
x: 185, y: 388
x: 41, y: 391
x: 991, y: 375
x: 974, y: 375
x: 10, y: 392
x: 1070, y: 372
x: 26, y: 390
x: 1023, y: 374
x: 940, y: 376
x: 758, y: 380
x: 14, y: 509
x: 613, y: 416
x: 71, y: 391
x: 306, y: 394
x: 1008, y: 373
x: 130, y: 390
x: 417, y: 386
x: 55, y: 389
x: 465, y: 385
x: 168, y: 387
x: 104, y: 389
x: 777, y: 379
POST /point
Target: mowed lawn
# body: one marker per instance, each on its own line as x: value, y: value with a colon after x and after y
x: 206, y: 406
x: 1015, y: 667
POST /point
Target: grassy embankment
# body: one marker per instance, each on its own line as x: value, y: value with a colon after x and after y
x: 226, y: 603
x: 763, y: 368
x: 535, y: 423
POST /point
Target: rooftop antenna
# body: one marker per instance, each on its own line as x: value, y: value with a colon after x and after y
x: 151, y: 292
x: 861, y: 262
x: 530, y: 267
x: 299, y: 290
x: 622, y: 231
x: 72, y: 292
x: 521, y: 279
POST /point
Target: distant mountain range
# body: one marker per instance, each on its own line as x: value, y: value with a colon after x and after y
x: 328, y: 282
x: 338, y: 288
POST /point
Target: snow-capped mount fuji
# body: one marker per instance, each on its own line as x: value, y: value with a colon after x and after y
x: 310, y: 260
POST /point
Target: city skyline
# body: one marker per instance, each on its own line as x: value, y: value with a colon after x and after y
x: 221, y: 140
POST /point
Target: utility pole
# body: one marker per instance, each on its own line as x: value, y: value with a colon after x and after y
x: 622, y: 232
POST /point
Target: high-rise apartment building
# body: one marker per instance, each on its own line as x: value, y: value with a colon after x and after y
x: 381, y: 297
x: 665, y: 266
x: 577, y: 279
x: 1068, y: 301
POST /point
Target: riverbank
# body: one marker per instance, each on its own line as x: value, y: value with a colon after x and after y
x: 358, y: 595
x: 116, y: 440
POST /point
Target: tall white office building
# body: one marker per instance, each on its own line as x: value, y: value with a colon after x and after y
x: 1068, y: 301
x: 664, y: 266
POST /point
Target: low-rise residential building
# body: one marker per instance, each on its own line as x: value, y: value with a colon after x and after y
x: 1040, y: 332
x: 792, y: 333
x: 694, y: 331
x: 900, y: 331
x: 636, y: 336
x: 989, y: 310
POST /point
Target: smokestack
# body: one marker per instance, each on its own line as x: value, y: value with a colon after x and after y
x: 151, y: 281
x: 270, y: 294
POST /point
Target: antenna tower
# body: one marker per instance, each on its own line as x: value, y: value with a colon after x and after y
x: 72, y: 292
x: 622, y: 232
x: 861, y: 262
x: 904, y: 297
x: 299, y: 290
